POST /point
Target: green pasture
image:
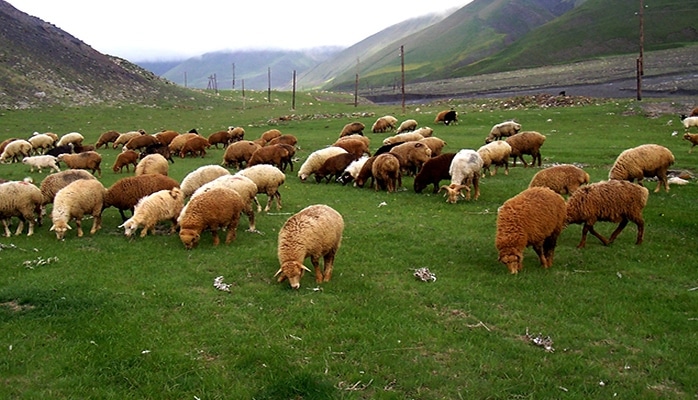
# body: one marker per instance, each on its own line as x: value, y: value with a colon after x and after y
x: 107, y: 317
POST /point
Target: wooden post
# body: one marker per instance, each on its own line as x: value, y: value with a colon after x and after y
x: 269, y: 84
x: 293, y: 102
x: 640, y: 60
x: 233, y: 76
x: 402, y: 67
x: 356, y: 91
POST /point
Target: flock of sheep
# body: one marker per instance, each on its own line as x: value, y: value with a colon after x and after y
x: 211, y: 198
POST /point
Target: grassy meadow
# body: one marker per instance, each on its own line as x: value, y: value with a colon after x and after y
x: 107, y: 317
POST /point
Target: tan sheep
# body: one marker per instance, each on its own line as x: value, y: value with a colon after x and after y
x: 503, y: 130
x: 497, y: 154
x: 20, y: 199
x: 316, y: 232
x: 238, y: 154
x: 412, y: 155
x: 200, y: 176
x: 284, y: 139
x: 153, y: 164
x: 435, y: 144
x: 236, y: 133
x: 562, y: 179
x: 644, y: 161
x: 352, y: 128
x: 268, y: 180
x: 124, y: 159
x: 73, y: 138
x: 270, y: 134
x: 407, y: 125
x: 425, y: 131
x: 211, y: 210
x: 89, y: 160
x: 355, y: 147
x: 384, y: 124
x: 41, y: 142
x: 693, y: 138
x: 84, y: 196
x: 53, y: 183
x: 386, y: 172
x: 162, y: 205
x: 528, y: 142
x: 16, y: 150
x: 403, y: 137
x: 612, y: 201
x: 178, y: 141
x: 125, y: 137
x: 535, y: 218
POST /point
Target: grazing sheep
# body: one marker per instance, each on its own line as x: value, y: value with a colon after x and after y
x: 385, y: 148
x: 407, y: 125
x: 497, y: 154
x: 334, y: 166
x: 352, y: 128
x: 84, y: 196
x: 79, y: 148
x: 20, y: 199
x: 238, y: 154
x: 403, y: 137
x: 503, y: 130
x: 73, y: 138
x: 425, y: 131
x: 433, y: 172
x: 277, y: 155
x: 352, y: 170
x: 693, y: 138
x: 284, y: 139
x: 213, y: 209
x: 244, y: 186
x: 89, y: 160
x: 465, y: 171
x: 55, y: 182
x: 196, y: 145
x: 125, y: 192
x: 200, y: 176
x: 611, y: 201
x: 366, y: 172
x: 41, y: 142
x: 688, y: 122
x: 694, y: 112
x: 644, y: 161
x: 42, y: 161
x: 5, y: 142
x: 535, y: 218
x: 162, y: 205
x: 58, y: 150
x: 316, y: 159
x: 106, y: 138
x: 268, y: 180
x: 386, y: 172
x: 153, y: 164
x: 16, y: 150
x: 270, y: 134
x: 178, y: 142
x: 158, y: 148
x: 141, y: 142
x: 447, y: 117
x: 315, y: 231
x: 435, y: 144
x: 125, y: 137
x: 562, y: 179
x: 384, y: 124
x: 124, y: 159
x: 236, y: 133
x: 528, y: 142
x: 355, y: 147
x: 166, y: 137
x: 220, y: 137
x: 411, y: 155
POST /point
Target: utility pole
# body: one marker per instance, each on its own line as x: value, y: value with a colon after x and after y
x: 356, y: 85
x: 233, y: 76
x: 640, y: 60
x: 293, y: 102
x: 402, y: 67
x: 269, y: 84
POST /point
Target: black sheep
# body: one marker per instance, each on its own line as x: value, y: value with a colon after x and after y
x: 433, y: 171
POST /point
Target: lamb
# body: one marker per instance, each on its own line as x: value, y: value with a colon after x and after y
x: 277, y: 155
x: 433, y: 171
x: 562, y: 179
x: 196, y: 145
x: 153, y: 164
x: 315, y: 231
x: 384, y: 124
x: 535, y: 218
x: 334, y: 166
x: 125, y: 192
x: 688, y: 122
x: 42, y: 161
x: 447, y: 117
x: 166, y: 137
x: 84, y: 196
x: 236, y: 133
x: 386, y: 172
x: 53, y: 183
x: 73, y: 138
x: 124, y: 159
x: 411, y: 155
x: 355, y: 147
x: 465, y: 171
x: 238, y: 154
x: 106, y: 138
x: 352, y: 171
x: 503, y: 130
x: 612, y: 201
x: 497, y: 154
x: 216, y: 208
x: 201, y: 176
x: 140, y: 142
x: 41, y: 142
x: 16, y: 150
x: 403, y: 137
x: 352, y: 128
x: 407, y: 125
x: 20, y: 199
x: 268, y: 180
x: 316, y: 159
x: 125, y: 137
x: 528, y: 142
x: 693, y: 138
x: 220, y: 137
x: 435, y: 144
x: 89, y: 160
x: 159, y: 206
x: 643, y: 161
x: 244, y: 186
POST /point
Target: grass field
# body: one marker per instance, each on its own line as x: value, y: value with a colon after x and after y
x: 108, y: 317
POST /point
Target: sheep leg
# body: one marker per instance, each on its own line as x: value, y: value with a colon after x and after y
x: 619, y: 229
x: 329, y: 265
x: 20, y: 227
x: 78, y: 223
x: 232, y: 228
x: 315, y: 260
x: 216, y: 239
x: 541, y: 255
x: 250, y: 217
x: 96, y: 223
x: 590, y: 229
x: 7, y: 228
x: 549, y: 249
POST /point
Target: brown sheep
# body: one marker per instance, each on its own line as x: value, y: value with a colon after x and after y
x: 528, y: 142
x: 643, y: 161
x: 355, y: 147
x: 125, y: 137
x: 55, y: 182
x: 497, y: 154
x: 238, y: 154
x: 236, y: 133
x: 562, y: 179
x: 386, y: 172
x: 535, y: 218
x: 216, y: 208
x: 433, y: 172
x: 365, y: 173
x: 220, y: 137
x: 612, y: 201
x: 124, y: 159
x: 334, y: 166
x: 447, y: 117
x: 352, y: 128
x: 316, y: 232
x: 693, y: 138
x: 694, y: 112
x: 125, y: 192
x: 270, y: 134
x: 435, y: 144
x: 412, y: 155
x: 89, y: 160
x: 166, y: 137
x: 153, y: 164
x: 178, y: 142
x: 277, y: 155
x: 284, y: 139
x: 195, y: 146
x: 141, y: 142
x: 384, y: 124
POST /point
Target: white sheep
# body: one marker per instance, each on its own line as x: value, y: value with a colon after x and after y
x: 74, y: 138
x: 152, y: 164
x: 20, y: 199
x: 465, y: 171
x: 162, y: 205
x: 123, y: 138
x: 201, y: 176
x: 425, y: 131
x: 502, y: 130
x: 41, y: 161
x: 16, y: 150
x: 562, y: 178
x: 689, y: 122
x: 84, y: 196
x: 495, y: 153
x: 403, y: 137
x: 268, y: 179
x: 407, y: 125
x: 41, y: 142
x: 316, y: 232
x: 316, y: 159
x: 643, y: 161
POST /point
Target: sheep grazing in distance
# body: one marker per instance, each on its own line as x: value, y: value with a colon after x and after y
x: 334, y: 166
x: 465, y: 172
x: 497, y: 154
x: 503, y: 130
x: 84, y: 196
x: 125, y: 192
x: 643, y: 161
x: 73, y: 138
x: 352, y: 170
x: 42, y: 161
x: 384, y: 124
x: 200, y: 177
x: 20, y: 199
x: 5, y: 142
x: 412, y: 156
x: 688, y: 122
x: 612, y: 201
x: 561, y: 179
x: 267, y: 136
x: 166, y: 137
x: 316, y: 159
x: 41, y: 142
x: 196, y: 146
x: 16, y: 150
x: 278, y: 155
x: 140, y: 142
x: 386, y: 172
x: 153, y: 164
x: 55, y: 182
x: 407, y: 125
x: 316, y: 232
x: 212, y: 210
x: 433, y: 172
x: 355, y: 147
x: 447, y: 117
x: 89, y: 160
x: 124, y: 159
x: 268, y: 180
x: 435, y: 144
x: 238, y: 154
x: 158, y: 148
x: 528, y: 142
x: 106, y: 138
x: 352, y: 128
x: 220, y: 137
x: 535, y: 218
x: 403, y: 137
x: 178, y: 141
x: 693, y: 138
x: 284, y: 139
x: 236, y: 133
x: 162, y: 205
x: 366, y: 172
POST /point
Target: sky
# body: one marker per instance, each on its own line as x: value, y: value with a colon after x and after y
x: 157, y: 30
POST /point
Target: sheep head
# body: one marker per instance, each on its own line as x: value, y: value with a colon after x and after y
x: 60, y: 228
x: 512, y: 260
x: 129, y: 227
x: 293, y: 271
x: 453, y: 192
x: 189, y: 237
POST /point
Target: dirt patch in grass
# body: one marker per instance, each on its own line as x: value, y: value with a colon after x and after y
x: 14, y: 306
